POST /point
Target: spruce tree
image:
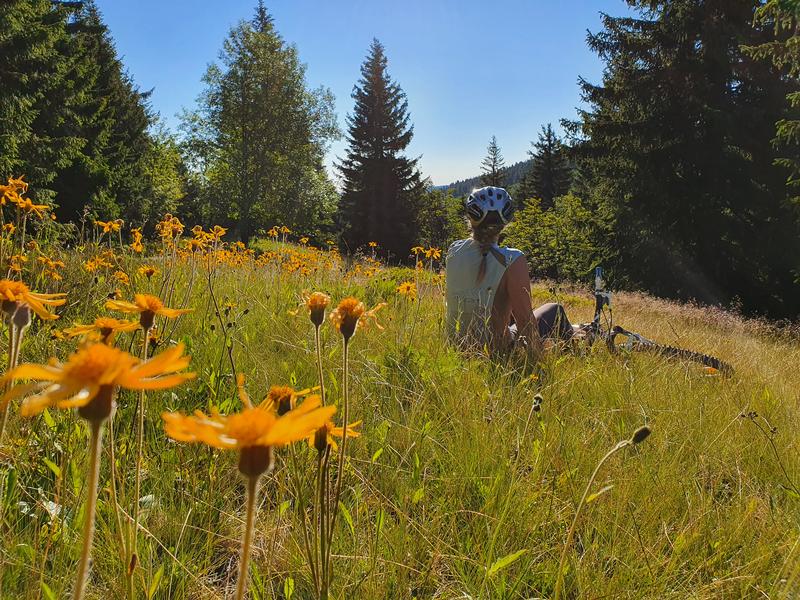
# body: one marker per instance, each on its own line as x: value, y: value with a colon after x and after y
x: 38, y: 130
x: 676, y: 144
x: 113, y: 118
x: 381, y: 187
x: 493, y: 166
x: 784, y: 52
x: 550, y: 173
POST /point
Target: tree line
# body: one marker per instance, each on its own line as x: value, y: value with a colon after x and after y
x: 680, y: 173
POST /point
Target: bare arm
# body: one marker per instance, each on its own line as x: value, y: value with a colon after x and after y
x: 518, y: 288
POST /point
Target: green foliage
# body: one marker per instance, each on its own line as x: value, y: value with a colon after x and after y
x: 493, y: 166
x: 381, y: 187
x: 258, y: 136
x: 784, y: 53
x: 563, y: 242
x: 676, y: 143
x: 550, y: 172
x: 441, y: 219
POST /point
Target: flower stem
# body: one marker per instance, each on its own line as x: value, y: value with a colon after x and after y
x: 568, y: 542
x: 91, y: 503
x: 333, y: 508
x: 134, y: 546
x: 247, y: 538
x: 318, y: 344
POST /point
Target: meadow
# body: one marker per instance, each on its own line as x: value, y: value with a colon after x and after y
x: 467, y: 473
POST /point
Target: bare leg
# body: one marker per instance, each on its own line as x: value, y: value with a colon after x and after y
x: 553, y: 321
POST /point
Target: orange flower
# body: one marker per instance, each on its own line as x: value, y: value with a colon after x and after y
x: 89, y: 377
x: 408, y: 289
x: 316, y: 304
x: 350, y: 313
x: 29, y: 207
x: 108, y: 327
x: 15, y: 293
x: 147, y: 307
x: 253, y: 431
x: 122, y: 277
x: 148, y: 271
x: 324, y: 436
x: 136, y: 244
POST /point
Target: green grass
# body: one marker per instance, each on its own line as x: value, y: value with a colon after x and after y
x: 457, y: 488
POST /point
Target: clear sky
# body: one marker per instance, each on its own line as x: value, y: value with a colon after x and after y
x: 470, y: 68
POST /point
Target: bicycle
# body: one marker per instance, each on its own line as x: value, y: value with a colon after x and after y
x: 602, y: 328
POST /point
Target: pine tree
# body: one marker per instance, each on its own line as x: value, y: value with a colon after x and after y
x: 675, y: 143
x: 259, y: 135
x: 550, y: 174
x: 381, y: 187
x: 493, y: 166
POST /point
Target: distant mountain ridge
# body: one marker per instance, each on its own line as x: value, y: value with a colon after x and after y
x: 513, y: 173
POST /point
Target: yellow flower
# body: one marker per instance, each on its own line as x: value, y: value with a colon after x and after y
x: 408, y: 289
x: 110, y: 226
x: 433, y: 253
x: 15, y: 293
x: 148, y: 271
x: 348, y: 315
x: 217, y: 232
x: 304, y: 240
x: 122, y: 277
x: 323, y: 437
x: 253, y: 431
x: 29, y: 207
x: 136, y: 244
x: 108, y: 327
x: 417, y: 250
x: 9, y: 228
x: 147, y: 307
x: 316, y: 304
x: 89, y: 377
x: 273, y: 233
x: 373, y: 244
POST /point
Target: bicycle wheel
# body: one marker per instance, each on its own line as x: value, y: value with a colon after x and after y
x: 636, y: 343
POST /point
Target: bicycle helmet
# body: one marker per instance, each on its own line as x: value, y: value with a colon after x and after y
x: 489, y: 199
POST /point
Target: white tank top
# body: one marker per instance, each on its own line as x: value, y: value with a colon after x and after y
x: 469, y: 304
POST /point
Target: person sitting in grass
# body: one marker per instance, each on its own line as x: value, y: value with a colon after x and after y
x: 488, y: 286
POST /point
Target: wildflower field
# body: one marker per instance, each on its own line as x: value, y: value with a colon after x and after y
x: 280, y: 421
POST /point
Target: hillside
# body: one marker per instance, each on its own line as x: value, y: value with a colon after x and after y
x: 514, y: 174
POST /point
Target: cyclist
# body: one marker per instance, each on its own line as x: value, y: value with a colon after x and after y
x: 488, y: 285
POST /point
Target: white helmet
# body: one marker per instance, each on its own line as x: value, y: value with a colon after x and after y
x: 489, y: 199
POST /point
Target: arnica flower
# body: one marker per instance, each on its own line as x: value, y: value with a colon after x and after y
x: 147, y: 307
x: 136, y: 244
x: 323, y: 437
x: 408, y: 289
x: 88, y: 378
x: 29, y: 207
x: 109, y: 226
x: 416, y: 250
x: 350, y: 313
x: 122, y: 277
x: 433, y: 253
x: 316, y: 303
x: 280, y: 398
x: 254, y: 431
x: 107, y: 327
x: 147, y: 270
x: 13, y: 294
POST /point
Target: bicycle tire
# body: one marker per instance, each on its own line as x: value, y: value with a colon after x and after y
x: 674, y: 352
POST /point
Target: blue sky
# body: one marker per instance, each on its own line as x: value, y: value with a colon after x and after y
x: 471, y: 69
